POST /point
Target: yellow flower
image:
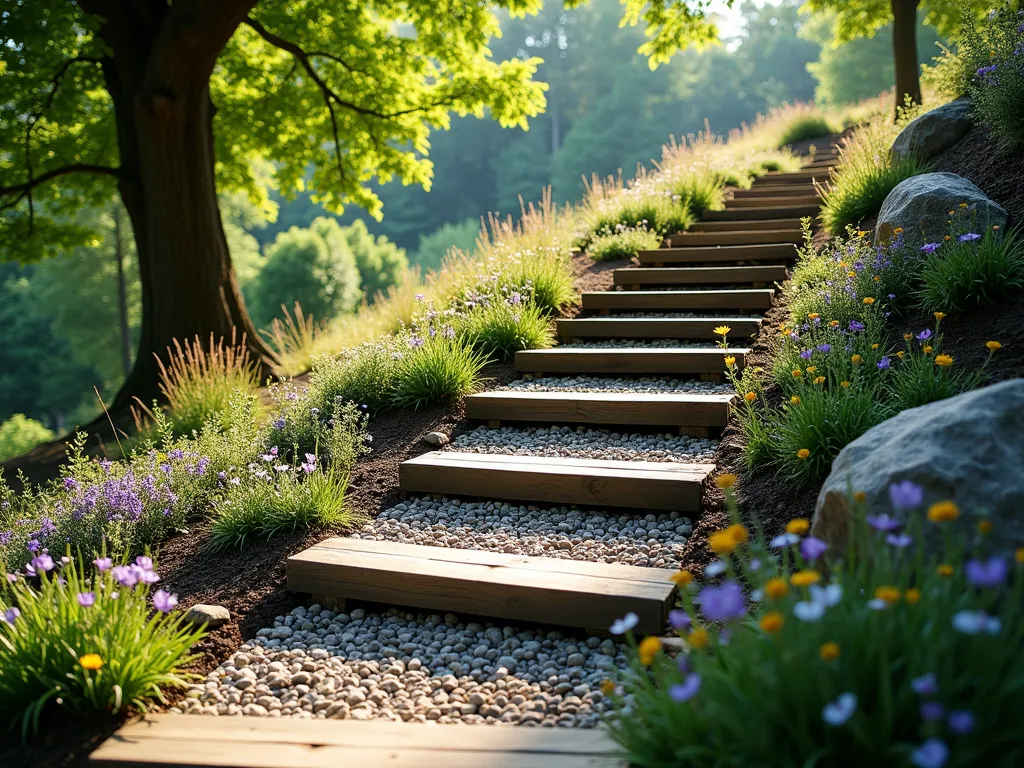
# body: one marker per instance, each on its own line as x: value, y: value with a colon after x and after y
x: 725, y: 481
x: 804, y: 578
x: 995, y: 227
x: 943, y: 361
x: 814, y: 315
x: 771, y: 622
x: 901, y: 354
x: 927, y: 350
x: 945, y: 570
x: 877, y: 279
x: 984, y: 527
x: 947, y: 237
x: 797, y: 373
x: 829, y: 651
x: 798, y: 526
x: 963, y: 205
x: 795, y: 399
x: 90, y: 661
x: 1019, y: 555
x: 730, y: 361
x: 648, y: 649
x: 888, y: 595
x: 682, y: 578
x: 750, y: 397
x: 993, y: 345
x: 869, y: 300
x: 607, y: 687
x: 855, y: 359
x: 722, y: 330
x: 862, y: 233
x: 722, y: 543
x: 939, y: 315
x: 851, y: 274
x: 819, y: 380
x: 776, y: 588
x: 874, y: 346
x: 943, y: 512
x: 898, y: 231
x: 811, y: 369
x: 860, y: 496
x: 834, y: 323
x: 844, y: 384
x: 803, y: 453
x: 698, y: 638
x: 951, y: 213
x: 738, y: 532
x: 912, y: 595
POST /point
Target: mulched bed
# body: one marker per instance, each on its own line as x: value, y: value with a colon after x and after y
x: 994, y: 168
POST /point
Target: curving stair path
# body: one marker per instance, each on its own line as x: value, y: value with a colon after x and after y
x: 656, y: 326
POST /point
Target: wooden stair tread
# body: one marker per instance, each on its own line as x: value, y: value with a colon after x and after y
x: 773, y: 201
x: 785, y: 190
x: 261, y: 742
x: 698, y: 275
x: 591, y: 482
x: 626, y: 360
x: 766, y: 212
x: 654, y: 327
x: 746, y: 226
x: 640, y: 301
x: 628, y: 408
x: 722, y: 253
x: 742, y: 237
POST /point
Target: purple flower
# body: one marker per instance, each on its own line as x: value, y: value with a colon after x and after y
x: 144, y: 576
x: 932, y: 754
x: 883, y: 363
x: 883, y: 522
x: 685, y: 690
x: 11, y: 615
x: 145, y: 563
x: 314, y: 412
x: 164, y: 601
x: 279, y: 423
x: 931, y: 711
x: 960, y: 721
x: 722, y: 603
x: 310, y: 464
x: 40, y: 564
x: 974, y: 622
x: 175, y: 454
x: 415, y: 342
x: 924, y: 335
x: 448, y: 332
x: 678, y: 619
x: 812, y: 548
x: 969, y: 237
x: 900, y: 540
x: 856, y: 326
x: 930, y: 247
x: 806, y: 354
x: 102, y: 564
x: 125, y: 575
x: 905, y: 495
x: 625, y: 624
x: 824, y: 347
x: 839, y: 711
x: 988, y: 573
x: 70, y: 483
x: 925, y: 685
x: 86, y: 599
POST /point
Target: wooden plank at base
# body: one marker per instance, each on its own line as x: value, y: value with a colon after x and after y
x: 646, y: 301
x: 740, y: 213
x: 774, y: 201
x: 655, y: 327
x: 698, y: 275
x: 625, y: 360
x: 783, y: 190
x: 719, y: 254
x: 745, y: 237
x: 797, y: 177
x: 627, y: 408
x: 530, y: 589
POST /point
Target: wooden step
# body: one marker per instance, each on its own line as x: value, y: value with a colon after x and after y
x: 753, y: 299
x: 764, y: 212
x: 796, y: 177
x: 637, y: 276
x: 723, y: 254
x: 781, y: 190
x: 184, y: 741
x: 744, y: 226
x: 626, y: 408
x: 777, y: 201
x: 590, y: 482
x: 690, y: 328
x: 743, y: 237
x: 627, y: 360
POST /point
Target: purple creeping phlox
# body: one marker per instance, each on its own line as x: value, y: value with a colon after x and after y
x: 987, y: 573
x: 812, y: 548
x: 884, y: 363
x: 838, y: 712
x: 723, y: 603
x: 86, y: 599
x: 685, y: 690
x: 164, y: 601
x: 930, y: 247
x: 883, y: 523
x: 40, y: 564
x: 899, y: 540
x: 678, y: 619
x: 931, y: 754
x: 969, y: 237
x: 960, y: 722
x: 905, y: 495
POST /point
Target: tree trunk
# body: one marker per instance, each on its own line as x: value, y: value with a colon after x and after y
x: 904, y: 43
x: 122, y: 296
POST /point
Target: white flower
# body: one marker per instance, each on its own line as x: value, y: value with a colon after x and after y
x: 623, y: 625
x: 973, y: 622
x: 757, y: 595
x: 877, y: 604
x: 809, y: 611
x: 840, y: 710
x: 717, y: 568
x: 828, y: 596
x: 785, y: 540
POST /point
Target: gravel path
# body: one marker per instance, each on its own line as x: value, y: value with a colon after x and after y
x: 314, y: 663
x: 654, y: 540
x: 659, y: 384
x: 640, y: 344
x: 585, y: 444
x: 703, y: 314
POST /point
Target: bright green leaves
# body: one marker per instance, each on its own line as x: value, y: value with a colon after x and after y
x: 671, y: 25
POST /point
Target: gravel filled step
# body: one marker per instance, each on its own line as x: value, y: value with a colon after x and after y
x: 632, y: 484
x: 781, y: 211
x: 736, y: 237
x: 534, y: 589
x: 649, y: 384
x: 627, y: 361
x: 225, y: 742
x: 702, y: 328
x: 718, y: 255
x: 646, y: 301
x: 698, y: 275
x: 744, y: 226
x: 780, y: 190
x: 597, y: 408
x: 773, y: 201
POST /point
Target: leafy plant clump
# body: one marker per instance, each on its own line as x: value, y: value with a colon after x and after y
x: 885, y: 651
x: 505, y: 324
x: 622, y: 243
x: 808, y: 126
x: 88, y: 639
x: 971, y: 269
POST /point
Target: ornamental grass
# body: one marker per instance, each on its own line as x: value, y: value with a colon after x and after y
x: 902, y: 649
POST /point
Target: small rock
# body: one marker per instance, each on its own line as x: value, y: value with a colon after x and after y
x: 210, y: 616
x: 437, y: 439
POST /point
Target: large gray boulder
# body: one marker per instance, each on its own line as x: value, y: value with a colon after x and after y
x: 921, y: 206
x: 968, y: 448
x: 936, y: 131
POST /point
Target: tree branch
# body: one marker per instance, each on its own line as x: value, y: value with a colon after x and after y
x: 23, y: 190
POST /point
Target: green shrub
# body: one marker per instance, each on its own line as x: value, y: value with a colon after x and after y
x: 925, y: 375
x: 85, y: 641
x: 806, y: 126
x: 660, y: 211
x: 504, y: 325
x: 867, y: 173
x: 624, y: 243
x: 434, y: 247
x: 884, y: 653
x: 20, y: 434
x: 437, y: 368
x: 544, y: 272
x: 699, y: 192
x: 971, y: 270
